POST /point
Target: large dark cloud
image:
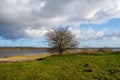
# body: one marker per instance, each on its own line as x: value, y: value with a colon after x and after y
x: 12, y: 31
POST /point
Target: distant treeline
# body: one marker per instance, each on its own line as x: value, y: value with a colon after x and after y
x: 22, y: 48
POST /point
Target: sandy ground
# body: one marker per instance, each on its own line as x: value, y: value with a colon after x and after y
x: 24, y: 58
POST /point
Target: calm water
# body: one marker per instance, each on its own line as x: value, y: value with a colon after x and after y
x: 21, y: 52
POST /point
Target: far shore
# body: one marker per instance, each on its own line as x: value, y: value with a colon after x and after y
x: 22, y: 48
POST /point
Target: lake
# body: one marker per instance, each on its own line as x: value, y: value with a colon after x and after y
x: 21, y: 52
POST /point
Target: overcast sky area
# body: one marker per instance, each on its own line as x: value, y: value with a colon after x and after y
x: 95, y: 22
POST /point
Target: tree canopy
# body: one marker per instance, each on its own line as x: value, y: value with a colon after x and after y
x: 61, y: 39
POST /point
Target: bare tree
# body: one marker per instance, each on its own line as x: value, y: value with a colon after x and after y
x: 61, y: 39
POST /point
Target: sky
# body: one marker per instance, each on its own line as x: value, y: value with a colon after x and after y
x: 96, y: 23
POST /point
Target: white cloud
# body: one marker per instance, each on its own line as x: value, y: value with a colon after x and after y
x: 33, y: 15
x: 90, y: 34
x: 34, y: 33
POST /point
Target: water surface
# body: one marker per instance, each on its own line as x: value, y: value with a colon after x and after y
x: 21, y: 52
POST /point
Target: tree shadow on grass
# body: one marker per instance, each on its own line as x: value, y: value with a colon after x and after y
x: 40, y: 59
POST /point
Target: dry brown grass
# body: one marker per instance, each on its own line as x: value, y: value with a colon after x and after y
x: 24, y: 58
x: 67, y: 52
x: 86, y: 51
x: 105, y: 50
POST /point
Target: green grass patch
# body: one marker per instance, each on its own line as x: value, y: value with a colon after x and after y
x: 65, y: 67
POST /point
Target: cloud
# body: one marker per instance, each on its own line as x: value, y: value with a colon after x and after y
x: 33, y: 33
x: 31, y: 18
x: 114, y: 35
x: 90, y: 34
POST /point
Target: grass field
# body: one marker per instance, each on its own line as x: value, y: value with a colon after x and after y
x: 65, y: 67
